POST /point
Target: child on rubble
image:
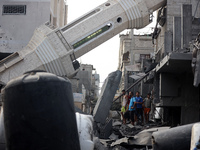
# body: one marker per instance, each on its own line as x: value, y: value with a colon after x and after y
x: 147, y: 107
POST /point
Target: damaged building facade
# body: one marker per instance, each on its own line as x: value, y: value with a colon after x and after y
x: 178, y: 26
x: 172, y: 80
x: 85, y: 85
x: 135, y: 58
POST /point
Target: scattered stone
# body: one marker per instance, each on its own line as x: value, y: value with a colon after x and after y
x: 114, y: 137
x: 118, y: 147
x: 118, y: 142
x: 117, y: 123
x: 98, y: 145
x: 127, y: 131
x: 114, y: 115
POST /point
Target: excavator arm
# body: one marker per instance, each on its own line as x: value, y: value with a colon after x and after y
x: 56, y: 50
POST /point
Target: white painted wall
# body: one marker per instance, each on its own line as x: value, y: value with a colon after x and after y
x: 17, y: 30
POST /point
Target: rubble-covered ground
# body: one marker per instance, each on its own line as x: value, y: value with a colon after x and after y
x: 127, y: 136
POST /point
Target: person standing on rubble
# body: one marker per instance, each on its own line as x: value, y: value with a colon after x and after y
x: 147, y: 107
x: 131, y: 109
x: 127, y: 113
x: 124, y: 103
x: 139, y: 109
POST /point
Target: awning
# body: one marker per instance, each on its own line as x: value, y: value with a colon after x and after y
x: 175, y: 63
x: 133, y: 68
x: 137, y: 76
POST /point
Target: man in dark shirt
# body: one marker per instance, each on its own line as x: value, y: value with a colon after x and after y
x: 139, y: 102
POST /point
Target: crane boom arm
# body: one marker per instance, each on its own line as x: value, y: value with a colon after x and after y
x: 56, y: 50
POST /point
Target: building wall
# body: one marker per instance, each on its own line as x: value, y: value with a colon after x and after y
x: 133, y: 49
x: 174, y: 90
x: 17, y: 30
x: 173, y: 10
x: 96, y: 84
x: 177, y: 91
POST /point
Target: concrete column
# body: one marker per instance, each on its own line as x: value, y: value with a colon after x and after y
x: 156, y: 89
x: 176, y: 33
x: 186, y: 25
x: 168, y: 42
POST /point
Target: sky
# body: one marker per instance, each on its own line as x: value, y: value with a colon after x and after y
x: 104, y: 58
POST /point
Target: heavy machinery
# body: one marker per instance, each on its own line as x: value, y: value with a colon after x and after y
x: 56, y: 50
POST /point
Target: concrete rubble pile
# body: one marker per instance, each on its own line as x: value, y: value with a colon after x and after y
x: 111, y: 134
x: 102, y: 123
x: 148, y: 137
x: 125, y: 137
x: 105, y: 131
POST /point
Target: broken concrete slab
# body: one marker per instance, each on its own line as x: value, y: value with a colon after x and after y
x: 118, y: 142
x: 130, y: 130
x: 108, y: 91
x: 106, y: 129
x: 114, y: 136
x: 144, y: 138
x: 173, y: 139
x: 118, y: 147
x: 115, y: 114
x: 117, y: 123
x: 105, y: 100
x: 131, y: 137
x: 99, y: 145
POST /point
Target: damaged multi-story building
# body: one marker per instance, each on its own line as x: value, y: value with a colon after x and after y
x: 86, y: 84
x: 135, y: 57
x: 173, y: 81
x: 174, y: 89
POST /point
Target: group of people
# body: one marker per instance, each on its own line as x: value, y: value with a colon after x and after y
x: 133, y: 107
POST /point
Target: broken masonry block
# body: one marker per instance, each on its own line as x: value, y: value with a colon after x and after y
x: 105, y: 100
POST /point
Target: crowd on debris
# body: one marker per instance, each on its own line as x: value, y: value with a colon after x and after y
x: 134, y: 107
x: 131, y: 129
x: 134, y: 130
